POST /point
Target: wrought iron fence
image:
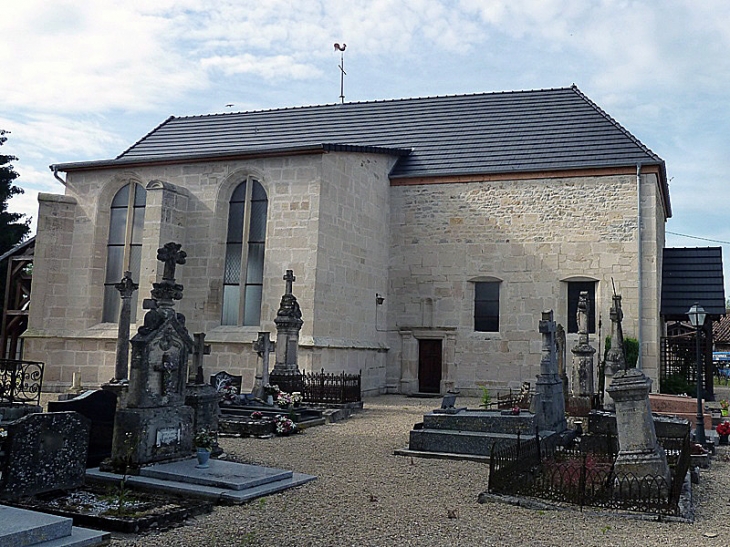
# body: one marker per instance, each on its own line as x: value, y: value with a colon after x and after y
x: 20, y: 381
x: 332, y: 388
x: 548, y: 471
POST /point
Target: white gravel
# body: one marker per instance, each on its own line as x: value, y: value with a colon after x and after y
x: 366, y: 496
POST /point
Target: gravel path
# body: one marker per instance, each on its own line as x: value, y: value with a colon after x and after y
x: 366, y: 496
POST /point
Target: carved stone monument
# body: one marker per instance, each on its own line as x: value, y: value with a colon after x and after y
x: 583, y: 352
x: 615, y: 357
x: 548, y: 403
x: 153, y: 423
x: 639, y: 451
x: 288, y: 324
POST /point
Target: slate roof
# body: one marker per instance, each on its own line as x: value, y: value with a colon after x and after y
x: 460, y: 135
x: 721, y: 330
x: 692, y: 275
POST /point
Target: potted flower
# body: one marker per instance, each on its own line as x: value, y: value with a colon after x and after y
x: 203, y: 442
x: 271, y: 392
x: 724, y: 405
x: 723, y: 430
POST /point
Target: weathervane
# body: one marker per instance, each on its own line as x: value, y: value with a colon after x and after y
x: 341, y: 49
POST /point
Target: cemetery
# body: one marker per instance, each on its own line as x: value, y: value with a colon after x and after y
x: 159, y: 445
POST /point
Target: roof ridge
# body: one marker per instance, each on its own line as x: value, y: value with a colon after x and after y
x: 371, y: 102
x: 613, y: 121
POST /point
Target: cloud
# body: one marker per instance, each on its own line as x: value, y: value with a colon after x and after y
x: 278, y: 67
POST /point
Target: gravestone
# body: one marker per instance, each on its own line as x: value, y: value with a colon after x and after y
x: 615, y: 357
x: 549, y: 403
x: 288, y: 322
x: 44, y: 453
x: 153, y: 423
x: 263, y: 346
x: 99, y: 406
x: 201, y: 397
x: 639, y: 452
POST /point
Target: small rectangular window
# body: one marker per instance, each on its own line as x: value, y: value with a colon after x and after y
x: 486, y: 306
x: 574, y: 290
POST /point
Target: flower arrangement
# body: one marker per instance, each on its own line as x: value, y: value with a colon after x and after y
x: 516, y: 410
x: 724, y: 405
x: 284, y: 399
x: 296, y: 398
x: 723, y: 428
x: 284, y: 425
x: 229, y: 392
x: 256, y: 415
x: 3, y: 433
x: 271, y: 390
x: 204, y: 439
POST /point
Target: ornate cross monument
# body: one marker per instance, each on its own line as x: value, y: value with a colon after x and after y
x: 126, y: 288
x: 153, y: 424
x: 549, y: 404
x: 288, y: 324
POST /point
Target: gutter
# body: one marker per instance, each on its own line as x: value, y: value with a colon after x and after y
x: 640, y: 258
x: 54, y: 168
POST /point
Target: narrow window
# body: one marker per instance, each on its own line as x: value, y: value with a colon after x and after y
x: 124, y: 248
x: 486, y: 306
x: 574, y: 290
x: 243, y: 275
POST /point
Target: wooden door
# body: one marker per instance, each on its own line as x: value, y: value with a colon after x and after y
x: 429, y: 366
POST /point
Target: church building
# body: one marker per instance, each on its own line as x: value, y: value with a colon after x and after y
x: 426, y: 236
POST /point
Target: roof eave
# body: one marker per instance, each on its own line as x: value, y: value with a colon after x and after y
x: 321, y: 148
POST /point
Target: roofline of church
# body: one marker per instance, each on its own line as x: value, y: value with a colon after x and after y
x: 205, y: 156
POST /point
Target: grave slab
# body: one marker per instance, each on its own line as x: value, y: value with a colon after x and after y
x: 24, y: 528
x: 221, y: 474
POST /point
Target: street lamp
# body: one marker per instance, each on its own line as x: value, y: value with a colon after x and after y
x: 697, y: 317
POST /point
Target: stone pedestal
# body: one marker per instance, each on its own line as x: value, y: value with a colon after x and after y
x: 203, y: 399
x: 639, y: 451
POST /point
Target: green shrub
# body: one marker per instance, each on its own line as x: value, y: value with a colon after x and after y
x: 631, y: 350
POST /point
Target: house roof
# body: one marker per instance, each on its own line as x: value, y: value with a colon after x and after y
x: 721, y: 330
x: 459, y: 135
x: 692, y: 275
x: 28, y: 244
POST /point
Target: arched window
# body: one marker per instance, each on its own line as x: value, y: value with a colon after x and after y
x: 245, y: 253
x: 124, y: 249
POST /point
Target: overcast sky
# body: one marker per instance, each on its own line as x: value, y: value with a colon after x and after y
x: 85, y: 79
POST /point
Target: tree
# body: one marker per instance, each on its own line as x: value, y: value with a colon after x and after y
x: 13, y: 228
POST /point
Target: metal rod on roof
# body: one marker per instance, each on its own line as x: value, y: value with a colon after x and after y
x: 341, y: 49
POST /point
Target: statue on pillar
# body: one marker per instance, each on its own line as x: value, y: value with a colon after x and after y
x: 583, y: 352
x: 288, y: 322
x: 615, y: 357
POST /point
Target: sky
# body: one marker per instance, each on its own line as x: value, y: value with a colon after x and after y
x: 86, y: 79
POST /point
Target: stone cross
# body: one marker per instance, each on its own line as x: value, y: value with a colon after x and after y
x: 548, y: 402
x: 126, y: 288
x: 615, y: 357
x: 200, y: 349
x: 290, y: 279
x: 171, y: 255
x: 263, y: 345
x: 167, y: 369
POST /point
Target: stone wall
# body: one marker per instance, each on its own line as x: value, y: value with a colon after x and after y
x: 533, y: 236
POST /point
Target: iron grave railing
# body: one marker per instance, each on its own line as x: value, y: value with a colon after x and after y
x: 20, y: 381
x: 548, y: 471
x: 321, y: 387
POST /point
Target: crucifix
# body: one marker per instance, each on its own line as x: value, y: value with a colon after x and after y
x: 200, y: 349
x: 290, y: 279
x: 171, y: 255
x: 166, y: 370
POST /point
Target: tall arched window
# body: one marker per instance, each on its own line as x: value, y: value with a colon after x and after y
x: 124, y: 249
x: 245, y: 253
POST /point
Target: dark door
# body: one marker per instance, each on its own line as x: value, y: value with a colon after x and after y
x: 429, y: 366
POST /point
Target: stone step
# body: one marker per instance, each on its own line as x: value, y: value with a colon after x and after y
x: 24, y: 528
